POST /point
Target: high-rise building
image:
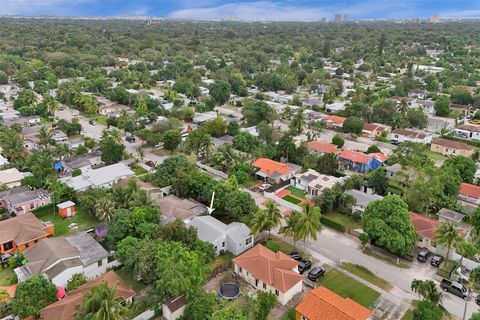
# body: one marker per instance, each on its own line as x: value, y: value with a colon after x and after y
x: 434, y: 19
x: 345, y: 17
x: 338, y: 17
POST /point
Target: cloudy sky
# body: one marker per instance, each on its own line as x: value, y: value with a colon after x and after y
x: 247, y: 9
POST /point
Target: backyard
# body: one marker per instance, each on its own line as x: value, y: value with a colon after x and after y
x: 291, y: 199
x: 296, y: 192
x: 83, y: 219
x: 7, y: 276
x: 344, y: 220
x: 348, y: 287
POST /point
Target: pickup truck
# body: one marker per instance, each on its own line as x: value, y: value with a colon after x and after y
x: 454, y: 287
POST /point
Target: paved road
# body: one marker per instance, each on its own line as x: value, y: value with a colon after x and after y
x: 95, y: 132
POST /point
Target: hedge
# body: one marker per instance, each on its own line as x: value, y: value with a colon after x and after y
x: 332, y: 223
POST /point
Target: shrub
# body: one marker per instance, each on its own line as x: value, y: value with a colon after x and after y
x: 339, y: 141
x: 332, y: 223
x: 76, y: 281
x: 373, y: 149
x: 273, y: 245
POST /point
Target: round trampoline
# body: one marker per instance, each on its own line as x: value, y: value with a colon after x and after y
x: 229, y: 290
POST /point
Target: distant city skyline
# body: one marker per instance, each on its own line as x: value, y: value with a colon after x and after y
x: 247, y: 9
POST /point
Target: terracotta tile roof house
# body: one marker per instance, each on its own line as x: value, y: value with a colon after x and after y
x: 322, y: 147
x: 373, y: 130
x: 334, y: 122
x: 275, y: 171
x: 270, y: 271
x: 358, y: 162
x: 425, y: 229
x: 65, y: 309
x: 470, y: 193
x: 450, y: 147
x: 21, y: 232
x: 380, y: 156
x: 323, y: 304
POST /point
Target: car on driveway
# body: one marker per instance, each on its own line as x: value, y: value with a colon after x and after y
x: 454, y: 287
x: 130, y: 139
x: 436, y: 260
x: 315, y: 273
x: 423, y: 255
x: 92, y: 122
x: 151, y: 163
x: 304, y: 265
x: 295, y: 256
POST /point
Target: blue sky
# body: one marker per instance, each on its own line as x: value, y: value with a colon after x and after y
x: 247, y: 9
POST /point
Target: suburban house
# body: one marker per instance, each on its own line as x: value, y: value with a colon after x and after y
x: 335, y: 107
x: 174, y: 308
x: 82, y: 162
x: 103, y: 177
x: 468, y: 131
x: 59, y: 136
x: 425, y: 229
x: 451, y: 216
x: 358, y: 162
x: 172, y: 208
x: 400, y: 173
x: 200, y: 118
x: 362, y: 199
x: 60, y: 258
x: 322, y: 147
x: 436, y: 124
x: 469, y: 193
x: 373, y: 130
x: 21, y: 232
x: 462, y: 109
x: 334, y: 122
x: 11, y: 178
x: 427, y: 105
x: 313, y: 182
x: 402, y: 135
x: 451, y: 147
x: 270, y: 272
x: 65, y: 308
x: 24, y: 199
x: 66, y: 209
x: 321, y: 304
x: 274, y: 171
x: 235, y: 237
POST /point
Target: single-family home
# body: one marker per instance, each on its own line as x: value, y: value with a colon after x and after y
x: 402, y: 135
x: 65, y: 308
x: 373, y: 130
x: 235, y: 237
x: 417, y: 94
x: 103, y: 177
x: 322, y: 304
x: 322, y: 147
x: 269, y: 271
x: 427, y: 105
x: 200, y: 118
x: 274, y: 171
x: 11, y: 178
x: 61, y: 257
x: 59, y: 136
x: 451, y: 216
x: 24, y: 199
x: 362, y: 199
x: 21, y: 232
x: 426, y: 229
x: 436, y: 124
x: 468, y: 131
x: 451, y: 148
x: 334, y: 122
x: 172, y: 208
x: 313, y: 182
x: 173, y: 308
x: 335, y: 107
x: 462, y: 109
x: 82, y: 162
x: 358, y: 162
x: 469, y: 193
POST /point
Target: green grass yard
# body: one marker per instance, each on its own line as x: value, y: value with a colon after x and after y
x: 7, y: 277
x: 291, y: 199
x: 348, y: 287
x: 366, y: 274
x: 127, y: 275
x: 408, y: 315
x: 343, y: 219
x: 83, y: 219
x: 296, y: 192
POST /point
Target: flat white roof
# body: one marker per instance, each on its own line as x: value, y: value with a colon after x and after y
x: 65, y: 204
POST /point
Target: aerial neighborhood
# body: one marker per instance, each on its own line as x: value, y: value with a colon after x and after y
x: 229, y: 170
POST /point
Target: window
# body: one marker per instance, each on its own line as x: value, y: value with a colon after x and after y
x: 240, y: 269
x: 264, y: 286
x: 32, y: 205
x: 249, y: 240
x: 256, y: 282
x: 8, y: 246
x: 277, y: 293
x: 100, y: 263
x: 223, y: 244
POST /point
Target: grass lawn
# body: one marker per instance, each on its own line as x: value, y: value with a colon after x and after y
x: 366, y: 274
x: 408, y: 315
x: 249, y: 181
x: 436, y: 156
x: 348, y: 222
x: 127, y: 276
x: 348, y: 287
x: 139, y: 170
x: 291, y: 199
x: 224, y: 258
x: 7, y: 277
x: 400, y: 265
x: 99, y: 118
x: 82, y: 218
x: 296, y: 192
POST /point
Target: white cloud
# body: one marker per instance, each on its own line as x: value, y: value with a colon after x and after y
x: 41, y: 7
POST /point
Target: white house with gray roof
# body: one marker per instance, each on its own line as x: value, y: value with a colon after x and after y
x: 362, y: 199
x: 235, y: 237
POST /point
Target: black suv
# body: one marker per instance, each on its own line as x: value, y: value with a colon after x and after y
x: 436, y: 260
x: 130, y: 138
x: 316, y: 273
x: 295, y: 256
x: 423, y: 255
x: 304, y: 265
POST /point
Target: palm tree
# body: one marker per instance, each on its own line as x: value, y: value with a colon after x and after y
x: 448, y: 235
x: 113, y: 134
x: 224, y: 158
x: 101, y: 304
x: 104, y: 209
x: 273, y: 214
x: 403, y: 107
x: 61, y: 151
x: 90, y: 105
x: 298, y: 122
x: 51, y: 103
x: 429, y: 290
x: 259, y: 222
x: 291, y: 227
x: 309, y: 222
x: 45, y: 136
x: 416, y: 285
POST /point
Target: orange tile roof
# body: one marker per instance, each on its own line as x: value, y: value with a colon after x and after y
x: 355, y: 156
x: 322, y: 147
x: 470, y: 190
x: 380, y: 156
x: 423, y: 225
x: 323, y: 304
x: 335, y: 119
x: 271, y: 167
x: 273, y: 268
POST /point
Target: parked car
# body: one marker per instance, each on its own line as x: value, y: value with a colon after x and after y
x: 436, y: 260
x: 265, y: 187
x: 304, y: 265
x: 477, y: 300
x: 92, y: 122
x: 315, y: 273
x: 5, y: 257
x: 130, y: 139
x: 455, y: 288
x: 423, y: 255
x: 295, y: 256
x: 150, y: 163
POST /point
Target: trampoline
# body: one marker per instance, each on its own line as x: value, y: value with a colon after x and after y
x: 229, y: 290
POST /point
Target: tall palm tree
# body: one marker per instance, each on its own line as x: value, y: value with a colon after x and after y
x: 273, y: 214
x: 45, y: 137
x: 309, y: 222
x: 51, y: 103
x: 259, y: 222
x: 448, y: 235
x: 104, y: 209
x: 224, y: 158
x: 416, y: 283
x: 61, y: 151
x: 403, y: 107
x: 101, y: 304
x: 291, y: 227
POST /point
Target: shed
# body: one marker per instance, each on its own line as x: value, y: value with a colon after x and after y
x: 66, y: 209
x: 174, y: 308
